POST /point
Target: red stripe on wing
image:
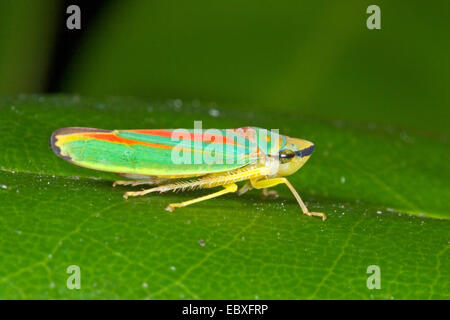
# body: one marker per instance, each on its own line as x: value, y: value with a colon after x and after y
x: 111, y: 137
x: 204, y: 137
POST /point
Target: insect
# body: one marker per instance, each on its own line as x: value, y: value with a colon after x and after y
x: 261, y: 158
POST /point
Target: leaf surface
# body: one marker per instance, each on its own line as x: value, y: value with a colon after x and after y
x: 385, y: 192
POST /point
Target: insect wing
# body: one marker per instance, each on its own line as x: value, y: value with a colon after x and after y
x: 148, y: 152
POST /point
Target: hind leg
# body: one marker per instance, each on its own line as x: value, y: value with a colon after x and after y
x: 227, y: 189
x: 267, y: 183
x: 137, y: 181
x: 134, y: 182
x: 265, y: 192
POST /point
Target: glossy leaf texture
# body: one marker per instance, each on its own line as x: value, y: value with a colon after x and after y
x: 385, y: 191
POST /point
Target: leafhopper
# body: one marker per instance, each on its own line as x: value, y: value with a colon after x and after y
x: 181, y: 159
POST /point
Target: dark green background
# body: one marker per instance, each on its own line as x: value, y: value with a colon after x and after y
x: 306, y: 57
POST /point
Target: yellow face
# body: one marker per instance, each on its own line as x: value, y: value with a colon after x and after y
x: 294, y: 155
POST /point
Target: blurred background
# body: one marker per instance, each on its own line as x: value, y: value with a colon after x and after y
x: 311, y: 58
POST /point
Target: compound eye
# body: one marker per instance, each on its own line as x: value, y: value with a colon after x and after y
x: 286, y: 155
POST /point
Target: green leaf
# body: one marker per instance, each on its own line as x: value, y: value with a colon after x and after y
x: 385, y: 192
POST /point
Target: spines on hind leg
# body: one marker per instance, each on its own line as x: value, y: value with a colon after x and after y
x: 209, y: 181
x: 160, y: 189
x: 148, y: 180
x: 133, y: 182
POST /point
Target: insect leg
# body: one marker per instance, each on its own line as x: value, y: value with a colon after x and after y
x: 133, y: 182
x: 136, y: 181
x: 265, y: 192
x: 204, y: 182
x: 268, y: 193
x: 246, y: 187
x: 260, y: 184
x: 177, y: 185
x: 227, y: 189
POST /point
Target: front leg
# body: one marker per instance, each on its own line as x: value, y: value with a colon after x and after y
x: 267, y: 183
x: 265, y: 192
x: 246, y: 187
